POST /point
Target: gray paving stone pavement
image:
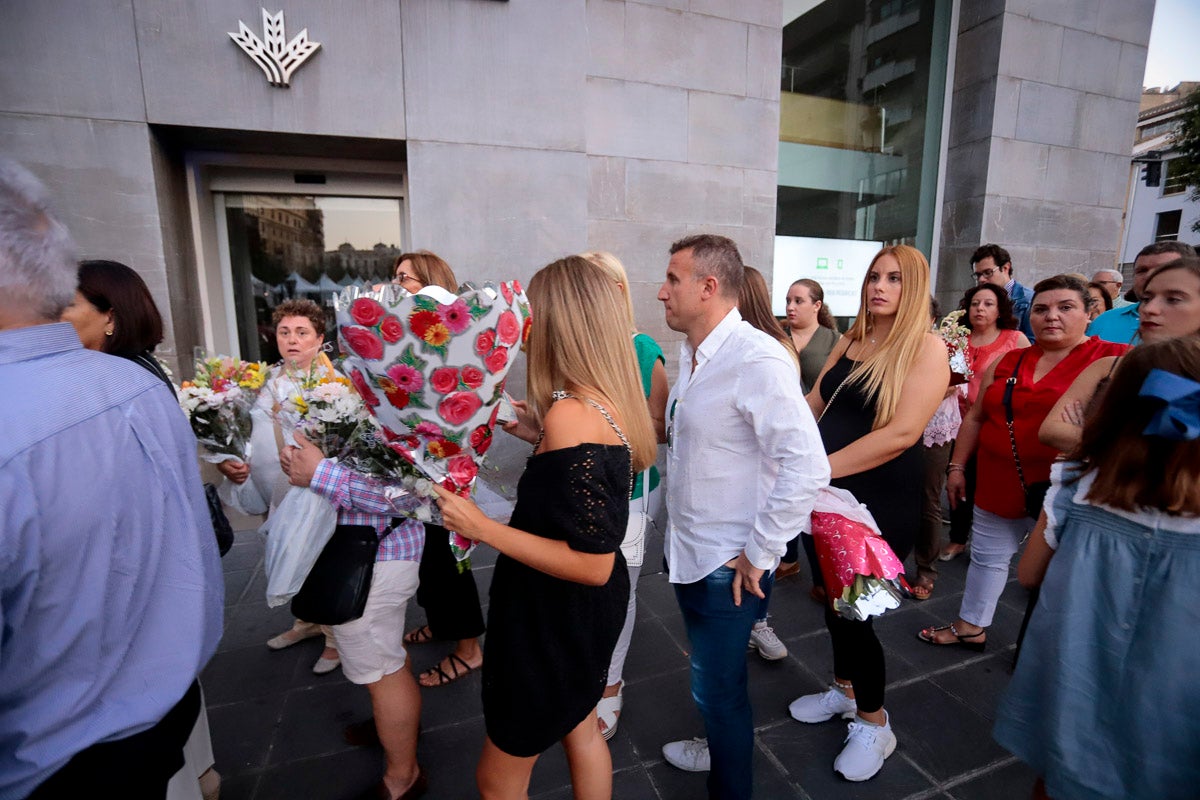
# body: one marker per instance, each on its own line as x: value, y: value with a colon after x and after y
x: 277, y: 727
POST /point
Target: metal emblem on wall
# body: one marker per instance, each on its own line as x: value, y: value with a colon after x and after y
x: 276, y: 59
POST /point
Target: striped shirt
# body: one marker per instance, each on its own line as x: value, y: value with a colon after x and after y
x: 360, y: 501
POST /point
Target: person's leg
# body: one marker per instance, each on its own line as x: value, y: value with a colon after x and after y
x: 451, y: 602
x: 962, y: 517
x: 994, y: 542
x: 589, y: 761
x: 500, y: 776
x: 396, y: 702
x: 929, y: 535
x: 616, y: 665
x: 718, y: 631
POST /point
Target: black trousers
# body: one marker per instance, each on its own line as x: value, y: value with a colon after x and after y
x: 962, y: 517
x: 448, y: 595
x: 138, y: 767
x: 858, y: 657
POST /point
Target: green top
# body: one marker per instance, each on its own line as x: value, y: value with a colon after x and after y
x: 815, y: 353
x: 648, y: 352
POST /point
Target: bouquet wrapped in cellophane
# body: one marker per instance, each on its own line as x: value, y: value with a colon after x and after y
x: 862, y: 574
x: 431, y: 368
x: 958, y: 339
x: 217, y: 403
x: 326, y: 410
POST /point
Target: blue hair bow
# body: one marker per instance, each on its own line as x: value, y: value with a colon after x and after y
x: 1179, y: 418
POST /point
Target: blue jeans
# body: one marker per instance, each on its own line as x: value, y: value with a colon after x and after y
x: 718, y: 632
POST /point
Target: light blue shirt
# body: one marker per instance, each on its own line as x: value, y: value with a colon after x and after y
x: 1118, y: 325
x: 111, y: 592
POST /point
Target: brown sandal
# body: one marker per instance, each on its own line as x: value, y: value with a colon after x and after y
x: 920, y: 590
x: 419, y: 635
x: 453, y: 662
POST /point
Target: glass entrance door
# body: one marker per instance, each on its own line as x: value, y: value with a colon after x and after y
x: 279, y: 246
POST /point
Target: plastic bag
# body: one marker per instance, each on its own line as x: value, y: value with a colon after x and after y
x: 254, y: 495
x: 297, y: 532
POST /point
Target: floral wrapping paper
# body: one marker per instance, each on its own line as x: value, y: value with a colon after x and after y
x: 431, y: 369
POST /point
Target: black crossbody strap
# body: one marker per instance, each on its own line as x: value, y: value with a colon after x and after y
x: 1009, y: 385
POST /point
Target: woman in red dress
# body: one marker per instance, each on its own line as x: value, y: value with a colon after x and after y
x: 1042, y: 373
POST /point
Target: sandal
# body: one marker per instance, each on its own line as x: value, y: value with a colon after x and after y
x: 443, y: 678
x: 419, y: 635
x: 921, y: 590
x: 929, y: 636
x: 608, y: 710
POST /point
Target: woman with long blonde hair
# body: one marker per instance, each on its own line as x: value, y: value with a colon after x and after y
x: 878, y: 390
x: 560, y: 589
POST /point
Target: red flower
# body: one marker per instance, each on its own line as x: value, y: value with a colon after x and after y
x: 496, y: 360
x: 391, y: 329
x: 481, y: 439
x: 506, y: 290
x: 472, y: 377
x: 526, y: 328
x: 458, y: 407
x: 444, y: 380
x: 508, y: 329
x: 362, y: 342
x: 419, y: 322
x: 367, y: 311
x: 491, y: 423
x: 517, y: 287
x: 462, y: 470
x: 485, y: 342
x: 397, y: 397
x: 363, y: 389
x: 443, y: 448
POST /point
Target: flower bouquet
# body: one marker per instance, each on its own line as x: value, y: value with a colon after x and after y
x: 431, y: 367
x: 217, y: 403
x: 957, y: 338
x: 862, y: 574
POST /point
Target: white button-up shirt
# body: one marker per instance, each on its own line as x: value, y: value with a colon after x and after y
x: 745, y: 457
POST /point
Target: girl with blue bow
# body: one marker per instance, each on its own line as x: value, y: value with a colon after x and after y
x: 1102, y: 702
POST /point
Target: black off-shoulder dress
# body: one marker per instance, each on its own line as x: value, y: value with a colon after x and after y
x: 549, y: 641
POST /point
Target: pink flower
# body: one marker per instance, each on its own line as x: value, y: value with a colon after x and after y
x: 508, y: 328
x: 517, y: 287
x: 362, y: 342
x: 444, y: 380
x: 496, y: 360
x: 363, y: 389
x: 428, y: 430
x: 485, y: 341
x: 458, y: 407
x: 456, y: 316
x: 472, y: 377
x: 506, y: 290
x: 462, y: 470
x: 391, y: 328
x: 367, y: 311
x: 405, y: 377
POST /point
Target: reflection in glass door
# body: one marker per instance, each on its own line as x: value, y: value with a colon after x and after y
x: 281, y: 246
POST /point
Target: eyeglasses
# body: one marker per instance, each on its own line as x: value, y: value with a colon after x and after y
x: 401, y: 277
x: 985, y: 274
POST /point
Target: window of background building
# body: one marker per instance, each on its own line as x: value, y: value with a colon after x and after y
x: 1166, y: 226
x: 1174, y: 182
x: 286, y: 245
x: 861, y: 107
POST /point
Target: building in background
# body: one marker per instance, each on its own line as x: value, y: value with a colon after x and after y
x: 1159, y: 207
x: 503, y: 135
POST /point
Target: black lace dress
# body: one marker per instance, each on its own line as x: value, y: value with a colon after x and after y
x: 549, y: 641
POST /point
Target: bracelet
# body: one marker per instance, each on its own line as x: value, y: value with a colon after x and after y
x: 955, y: 468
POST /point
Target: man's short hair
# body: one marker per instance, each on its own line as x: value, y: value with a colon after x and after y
x: 1112, y: 274
x: 715, y: 256
x: 37, y: 255
x: 998, y: 254
x: 1182, y: 249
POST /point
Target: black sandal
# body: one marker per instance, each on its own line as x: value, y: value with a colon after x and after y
x: 456, y: 673
x: 928, y: 635
x: 420, y: 635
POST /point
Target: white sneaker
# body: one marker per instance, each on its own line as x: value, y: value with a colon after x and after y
x: 764, y: 640
x: 822, y: 706
x: 866, y: 748
x: 690, y: 755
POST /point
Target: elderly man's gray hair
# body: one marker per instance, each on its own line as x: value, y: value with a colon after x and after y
x: 38, y: 264
x: 1111, y: 274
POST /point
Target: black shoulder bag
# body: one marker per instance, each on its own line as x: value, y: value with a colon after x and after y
x: 1035, y: 494
x: 336, y: 588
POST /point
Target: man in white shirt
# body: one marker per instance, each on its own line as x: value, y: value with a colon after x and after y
x: 746, y: 462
